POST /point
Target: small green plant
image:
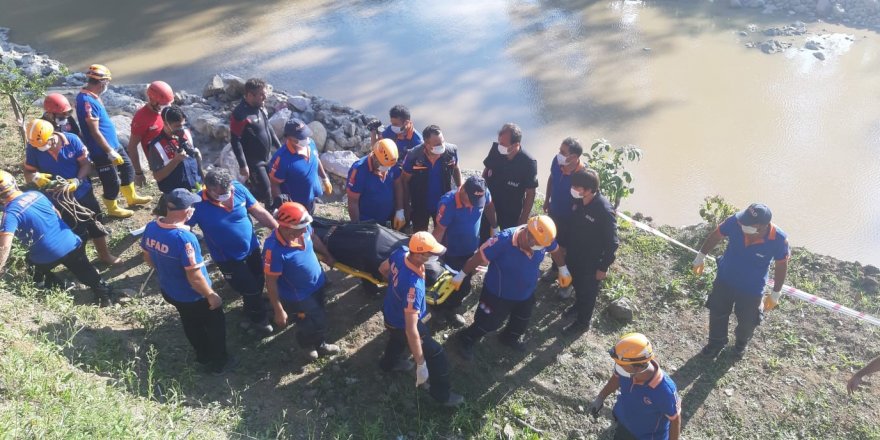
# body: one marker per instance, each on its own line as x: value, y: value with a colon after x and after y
x: 22, y: 91
x: 715, y: 210
x: 610, y: 163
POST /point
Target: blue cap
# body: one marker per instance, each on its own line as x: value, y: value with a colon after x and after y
x: 475, y: 188
x: 180, y: 198
x: 755, y: 214
x: 297, y: 129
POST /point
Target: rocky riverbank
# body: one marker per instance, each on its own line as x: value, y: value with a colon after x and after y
x: 857, y: 13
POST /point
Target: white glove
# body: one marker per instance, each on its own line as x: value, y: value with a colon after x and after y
x: 699, y: 264
x: 115, y: 158
x: 421, y: 373
x: 399, y: 220
x: 564, y: 277
x: 495, y: 231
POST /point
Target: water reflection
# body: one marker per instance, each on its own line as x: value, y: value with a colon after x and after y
x: 673, y: 77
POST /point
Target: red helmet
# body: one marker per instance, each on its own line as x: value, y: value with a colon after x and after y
x: 160, y: 91
x: 293, y: 215
x: 56, y: 103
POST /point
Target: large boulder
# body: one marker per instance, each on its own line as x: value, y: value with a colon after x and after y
x: 622, y: 309
x: 319, y: 134
x: 120, y: 103
x: 205, y: 124
x: 278, y: 120
x: 300, y: 103
x: 338, y: 162
x: 123, y: 128
x: 226, y: 160
x: 226, y: 86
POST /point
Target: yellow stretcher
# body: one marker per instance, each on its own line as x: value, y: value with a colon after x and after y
x: 436, y: 294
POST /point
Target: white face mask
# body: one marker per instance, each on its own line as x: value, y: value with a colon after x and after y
x: 45, y: 147
x: 749, y: 230
x: 61, y: 123
x: 439, y: 149
x: 189, y: 213
x: 303, y: 142
x: 433, y: 259
x: 576, y: 194
x: 561, y: 159
x: 224, y: 197
x: 621, y: 371
x: 383, y: 168
x: 503, y: 150
x: 396, y: 130
x: 537, y: 247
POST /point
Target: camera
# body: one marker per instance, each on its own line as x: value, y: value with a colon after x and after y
x: 374, y: 124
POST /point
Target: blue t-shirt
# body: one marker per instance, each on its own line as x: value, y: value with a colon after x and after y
x: 404, y: 143
x: 462, y: 222
x: 34, y: 220
x: 174, y: 250
x: 90, y: 107
x: 65, y: 162
x: 645, y: 410
x: 744, y: 267
x: 229, y: 232
x: 512, y: 273
x: 435, y: 176
x: 376, y: 191
x: 296, y: 265
x: 297, y: 174
x: 406, y: 290
x: 560, y: 194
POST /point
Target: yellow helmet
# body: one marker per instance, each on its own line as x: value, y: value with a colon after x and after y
x: 385, y: 151
x: 8, y: 187
x: 632, y: 348
x: 543, y: 229
x: 99, y: 71
x: 39, y: 132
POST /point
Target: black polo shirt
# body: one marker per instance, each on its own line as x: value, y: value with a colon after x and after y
x: 589, y: 234
x: 508, y: 180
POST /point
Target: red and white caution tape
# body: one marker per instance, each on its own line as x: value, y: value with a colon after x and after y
x: 786, y: 289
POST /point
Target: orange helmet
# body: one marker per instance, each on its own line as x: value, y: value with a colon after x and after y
x: 39, y: 132
x: 293, y: 215
x: 8, y: 187
x: 160, y: 91
x: 632, y: 348
x: 386, y: 153
x: 56, y: 103
x: 423, y: 241
x: 542, y: 229
x: 99, y: 71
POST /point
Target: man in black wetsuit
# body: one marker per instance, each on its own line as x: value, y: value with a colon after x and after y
x: 253, y: 139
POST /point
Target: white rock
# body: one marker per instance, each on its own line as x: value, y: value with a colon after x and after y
x: 338, y: 162
x: 227, y: 160
x: 278, y: 120
x: 123, y: 128
x: 319, y: 134
x: 300, y: 103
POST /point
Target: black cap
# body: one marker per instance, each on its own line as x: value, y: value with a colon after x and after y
x: 180, y: 198
x: 297, y: 129
x: 755, y: 214
x: 475, y: 188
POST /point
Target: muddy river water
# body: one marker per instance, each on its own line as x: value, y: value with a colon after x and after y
x: 675, y: 78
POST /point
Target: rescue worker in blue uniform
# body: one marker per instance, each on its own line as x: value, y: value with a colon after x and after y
x: 458, y: 228
x: 557, y: 202
x: 753, y: 243
x: 31, y: 217
x: 405, y: 312
x: 374, y: 189
x: 648, y: 406
x: 99, y: 134
x: 173, y: 250
x: 54, y: 154
x: 514, y: 257
x: 401, y: 130
x: 223, y: 216
x: 295, y: 280
x: 429, y: 171
x: 296, y: 170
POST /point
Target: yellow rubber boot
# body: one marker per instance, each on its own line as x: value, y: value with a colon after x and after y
x: 132, y: 198
x: 113, y: 209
